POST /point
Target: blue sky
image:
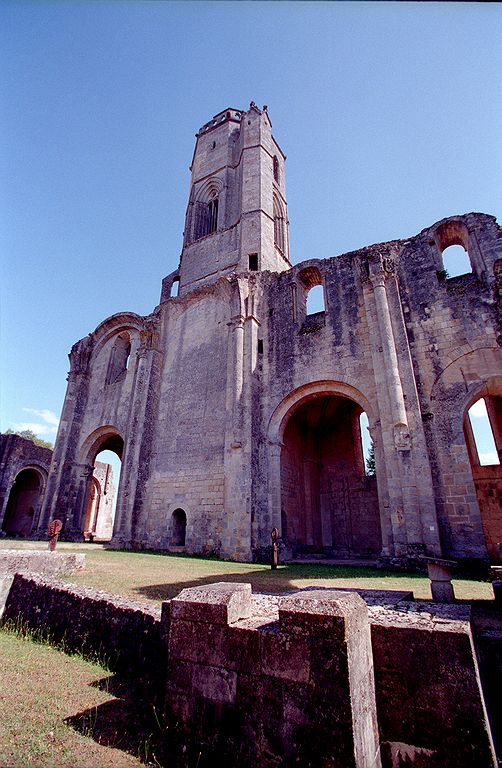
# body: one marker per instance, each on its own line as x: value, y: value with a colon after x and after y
x: 390, y: 115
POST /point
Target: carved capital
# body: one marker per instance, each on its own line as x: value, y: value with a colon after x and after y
x: 377, y: 279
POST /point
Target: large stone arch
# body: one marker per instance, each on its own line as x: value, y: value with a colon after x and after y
x: 106, y: 437
x: 471, y: 373
x: 333, y: 494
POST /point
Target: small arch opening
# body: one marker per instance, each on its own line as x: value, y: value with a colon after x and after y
x: 179, y: 527
x: 119, y: 358
x: 456, y: 261
x: 315, y: 300
x: 175, y: 287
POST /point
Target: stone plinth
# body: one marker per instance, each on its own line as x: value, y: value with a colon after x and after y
x: 440, y: 574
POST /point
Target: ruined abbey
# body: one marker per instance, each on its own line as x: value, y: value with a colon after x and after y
x: 234, y: 409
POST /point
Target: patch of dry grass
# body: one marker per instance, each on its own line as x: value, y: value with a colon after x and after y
x: 51, y: 704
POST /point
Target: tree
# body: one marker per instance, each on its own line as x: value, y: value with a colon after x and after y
x: 370, y: 461
x: 29, y: 435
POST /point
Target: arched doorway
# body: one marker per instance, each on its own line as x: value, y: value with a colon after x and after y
x: 24, y: 499
x: 329, y: 503
x: 104, y: 450
x: 178, y: 528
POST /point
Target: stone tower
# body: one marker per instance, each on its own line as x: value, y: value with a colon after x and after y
x: 236, y: 218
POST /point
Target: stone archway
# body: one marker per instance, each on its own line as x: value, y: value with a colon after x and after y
x: 317, y: 479
x: 24, y: 499
x: 98, y: 518
x: 487, y: 475
x: 178, y: 528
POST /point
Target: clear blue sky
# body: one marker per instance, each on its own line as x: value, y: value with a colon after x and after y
x: 390, y: 115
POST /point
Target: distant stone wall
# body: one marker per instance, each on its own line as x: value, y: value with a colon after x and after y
x: 313, y: 679
x: 18, y: 454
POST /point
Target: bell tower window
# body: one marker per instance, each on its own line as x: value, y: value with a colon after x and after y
x: 276, y: 169
x: 203, y: 213
x: 213, y: 215
x: 278, y: 225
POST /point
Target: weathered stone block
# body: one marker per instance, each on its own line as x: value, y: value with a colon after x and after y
x: 218, y: 603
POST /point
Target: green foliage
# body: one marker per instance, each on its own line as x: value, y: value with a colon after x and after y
x: 29, y: 435
x: 370, y: 462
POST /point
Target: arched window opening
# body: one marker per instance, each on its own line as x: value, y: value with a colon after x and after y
x: 102, y: 499
x: 24, y: 498
x: 213, y: 215
x: 482, y: 433
x: 311, y: 280
x: 315, y: 300
x: 276, y: 169
x: 279, y: 240
x: 206, y: 217
x: 175, y: 287
x: 367, y: 446
x: 119, y: 358
x: 179, y: 526
x: 456, y: 261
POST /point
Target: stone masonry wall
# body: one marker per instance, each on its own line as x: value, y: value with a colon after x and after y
x: 258, y: 680
x: 125, y: 634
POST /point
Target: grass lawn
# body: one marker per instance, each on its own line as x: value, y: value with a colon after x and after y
x: 55, y: 708
x: 155, y: 577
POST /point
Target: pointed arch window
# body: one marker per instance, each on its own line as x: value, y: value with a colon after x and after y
x: 276, y: 169
x: 279, y: 239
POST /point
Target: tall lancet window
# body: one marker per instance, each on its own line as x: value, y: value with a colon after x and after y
x: 276, y: 169
x: 212, y: 216
x: 204, y: 215
x: 278, y: 225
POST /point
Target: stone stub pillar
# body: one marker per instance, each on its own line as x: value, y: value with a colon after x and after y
x: 250, y: 690
x: 336, y: 703
x: 440, y: 575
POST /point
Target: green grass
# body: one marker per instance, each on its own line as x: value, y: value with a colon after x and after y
x: 52, y: 709
x: 151, y: 577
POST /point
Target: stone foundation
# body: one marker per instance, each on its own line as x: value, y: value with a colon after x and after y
x: 318, y: 678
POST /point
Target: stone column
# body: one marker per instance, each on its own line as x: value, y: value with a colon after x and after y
x: 394, y: 387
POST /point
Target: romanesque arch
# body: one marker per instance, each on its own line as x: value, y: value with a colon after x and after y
x: 97, y: 519
x: 25, y: 497
x: 487, y: 475
x: 463, y: 500
x: 324, y: 500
